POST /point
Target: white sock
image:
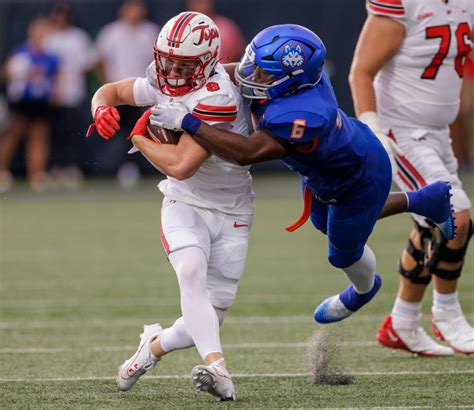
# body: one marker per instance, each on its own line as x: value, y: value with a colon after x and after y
x: 177, y: 336
x: 445, y: 301
x: 406, y: 315
x: 200, y: 318
x: 362, y: 272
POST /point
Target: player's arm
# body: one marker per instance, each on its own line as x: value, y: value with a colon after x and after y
x: 259, y: 146
x: 380, y: 38
x: 113, y: 94
x: 230, y: 70
x: 106, y: 98
x: 180, y: 161
x: 243, y: 150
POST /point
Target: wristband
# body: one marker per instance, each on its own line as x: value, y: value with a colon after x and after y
x: 190, y: 124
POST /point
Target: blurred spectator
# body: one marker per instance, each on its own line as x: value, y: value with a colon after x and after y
x: 30, y: 73
x: 76, y: 54
x: 232, y: 40
x: 126, y: 49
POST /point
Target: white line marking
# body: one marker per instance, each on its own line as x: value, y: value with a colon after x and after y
x: 138, y: 322
x: 252, y: 375
x: 55, y: 324
x: 263, y: 345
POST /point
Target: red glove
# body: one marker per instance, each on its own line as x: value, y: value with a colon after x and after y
x: 105, y: 121
x: 141, y: 125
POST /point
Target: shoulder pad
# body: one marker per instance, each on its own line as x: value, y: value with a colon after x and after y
x: 296, y: 126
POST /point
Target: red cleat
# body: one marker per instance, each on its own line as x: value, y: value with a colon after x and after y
x: 412, y: 340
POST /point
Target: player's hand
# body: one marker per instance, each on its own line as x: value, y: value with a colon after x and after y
x: 141, y: 125
x: 169, y: 115
x: 105, y: 122
x: 371, y: 120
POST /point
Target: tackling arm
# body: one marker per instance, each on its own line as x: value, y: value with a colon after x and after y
x: 230, y: 70
x: 258, y: 147
x: 179, y: 161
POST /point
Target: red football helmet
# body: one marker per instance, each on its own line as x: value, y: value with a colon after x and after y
x: 186, y: 53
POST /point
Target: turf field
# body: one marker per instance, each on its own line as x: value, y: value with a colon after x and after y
x: 81, y: 273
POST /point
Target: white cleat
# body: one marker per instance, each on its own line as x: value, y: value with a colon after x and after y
x: 452, y: 326
x: 214, y: 379
x: 142, y: 360
x: 414, y: 340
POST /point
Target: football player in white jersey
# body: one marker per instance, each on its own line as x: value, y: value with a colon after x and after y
x: 208, y: 203
x: 406, y: 80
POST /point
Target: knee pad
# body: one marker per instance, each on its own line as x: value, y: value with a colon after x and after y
x: 419, y: 256
x: 441, y: 253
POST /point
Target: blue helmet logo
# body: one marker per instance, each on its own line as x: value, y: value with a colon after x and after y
x: 292, y: 56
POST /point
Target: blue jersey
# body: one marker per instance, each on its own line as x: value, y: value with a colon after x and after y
x: 32, y: 77
x: 325, y: 146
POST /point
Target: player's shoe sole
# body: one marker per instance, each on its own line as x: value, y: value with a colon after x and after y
x: 205, y: 380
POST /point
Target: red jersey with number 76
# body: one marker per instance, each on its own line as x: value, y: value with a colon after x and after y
x: 420, y: 85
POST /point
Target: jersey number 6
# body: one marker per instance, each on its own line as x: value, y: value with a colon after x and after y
x: 444, y: 33
x: 297, y: 131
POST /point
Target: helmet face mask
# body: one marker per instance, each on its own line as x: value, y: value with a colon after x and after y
x: 252, y: 80
x: 279, y: 61
x: 186, y: 53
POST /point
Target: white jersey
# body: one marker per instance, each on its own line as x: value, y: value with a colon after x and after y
x: 420, y: 85
x: 218, y: 184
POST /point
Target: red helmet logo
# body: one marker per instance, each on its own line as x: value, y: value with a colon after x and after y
x: 207, y: 34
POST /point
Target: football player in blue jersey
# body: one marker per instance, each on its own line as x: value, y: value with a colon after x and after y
x: 345, y: 171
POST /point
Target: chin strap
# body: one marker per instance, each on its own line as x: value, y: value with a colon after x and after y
x: 308, y: 204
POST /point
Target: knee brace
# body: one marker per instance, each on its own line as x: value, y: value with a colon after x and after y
x: 419, y: 256
x: 441, y: 253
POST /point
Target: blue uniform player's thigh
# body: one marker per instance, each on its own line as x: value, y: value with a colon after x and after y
x: 351, y: 221
x: 319, y: 216
x: 319, y: 213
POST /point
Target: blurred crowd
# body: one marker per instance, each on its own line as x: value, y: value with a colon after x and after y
x: 46, y: 79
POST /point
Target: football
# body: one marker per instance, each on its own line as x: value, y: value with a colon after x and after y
x: 163, y: 135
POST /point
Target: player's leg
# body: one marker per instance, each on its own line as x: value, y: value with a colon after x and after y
x: 402, y: 329
x: 432, y: 201
x: 348, y: 250
x: 177, y: 336
x: 446, y: 264
x: 185, y: 238
x: 226, y: 266
x: 350, y: 223
x: 426, y: 160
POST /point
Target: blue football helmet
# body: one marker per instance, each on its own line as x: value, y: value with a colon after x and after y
x: 280, y: 60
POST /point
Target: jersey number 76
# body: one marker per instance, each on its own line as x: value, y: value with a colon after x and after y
x: 444, y: 33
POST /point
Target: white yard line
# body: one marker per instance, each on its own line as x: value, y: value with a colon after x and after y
x: 137, y: 323
x: 263, y: 345
x: 247, y: 375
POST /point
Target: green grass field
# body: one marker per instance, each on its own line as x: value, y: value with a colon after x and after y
x: 81, y: 273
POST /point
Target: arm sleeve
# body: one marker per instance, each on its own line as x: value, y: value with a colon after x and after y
x: 388, y: 8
